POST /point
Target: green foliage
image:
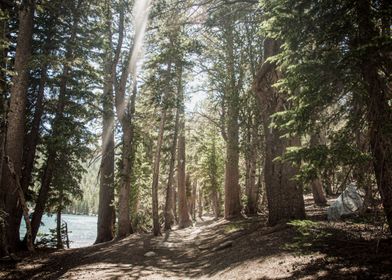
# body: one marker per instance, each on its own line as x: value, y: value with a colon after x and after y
x: 323, y: 156
x: 49, y: 240
x: 321, y: 59
x: 308, y: 233
x: 70, y: 105
x: 88, y: 203
x: 141, y: 183
x: 234, y: 227
x: 212, y: 162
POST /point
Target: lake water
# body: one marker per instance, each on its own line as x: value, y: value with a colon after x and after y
x: 82, y: 230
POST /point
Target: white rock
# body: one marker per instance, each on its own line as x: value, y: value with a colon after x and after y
x: 150, y: 254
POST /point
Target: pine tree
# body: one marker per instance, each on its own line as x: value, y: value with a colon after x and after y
x: 16, y: 120
x: 106, y: 194
x: 335, y: 65
x: 284, y: 194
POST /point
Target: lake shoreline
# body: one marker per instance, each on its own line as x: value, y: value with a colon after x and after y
x: 82, y: 229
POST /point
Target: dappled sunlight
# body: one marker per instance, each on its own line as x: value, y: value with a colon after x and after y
x: 195, y: 139
x: 252, y: 251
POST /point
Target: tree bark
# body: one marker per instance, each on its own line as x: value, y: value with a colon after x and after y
x: 31, y: 141
x: 251, y: 187
x: 183, y: 212
x: 316, y: 184
x: 124, y: 222
x: 106, y: 190
x: 193, y: 200
x: 125, y: 112
x: 43, y: 194
x: 155, y: 178
x: 361, y: 172
x: 60, y: 244
x: 16, y: 120
x: 175, y: 194
x: 169, y: 205
x: 216, y: 205
x: 379, y: 110
x: 232, y: 187
x: 4, y: 31
x: 106, y: 211
x: 252, y: 190
x: 200, y: 202
x: 33, y: 137
x: 23, y: 204
x: 3, y: 125
x: 188, y: 190
x: 318, y: 193
x: 284, y: 195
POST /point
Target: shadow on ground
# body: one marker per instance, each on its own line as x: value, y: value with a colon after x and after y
x: 242, y: 249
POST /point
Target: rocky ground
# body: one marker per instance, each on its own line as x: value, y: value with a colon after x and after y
x: 218, y: 249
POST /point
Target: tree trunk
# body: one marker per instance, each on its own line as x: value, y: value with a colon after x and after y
x: 31, y: 141
x: 105, y: 224
x: 193, y: 202
x: 23, y: 204
x: 60, y: 244
x: 361, y: 172
x: 125, y: 112
x: 284, y: 195
x: 318, y: 193
x: 379, y: 109
x: 251, y: 154
x: 200, y: 202
x: 155, y: 178
x: 183, y: 212
x: 216, y: 205
x: 124, y: 222
x: 316, y: 184
x: 188, y: 190
x: 169, y: 205
x: 328, y: 182
x: 4, y: 31
x: 106, y: 211
x: 16, y: 120
x: 51, y: 160
x: 381, y: 147
x: 43, y: 194
x: 175, y: 195
x: 3, y: 127
x: 33, y: 137
x: 232, y: 187
x: 252, y: 190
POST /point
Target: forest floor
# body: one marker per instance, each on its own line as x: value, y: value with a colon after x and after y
x: 218, y: 249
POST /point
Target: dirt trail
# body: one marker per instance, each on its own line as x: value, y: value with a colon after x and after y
x: 193, y: 252
x: 243, y: 249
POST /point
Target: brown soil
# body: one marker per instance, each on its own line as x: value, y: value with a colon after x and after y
x: 241, y: 249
